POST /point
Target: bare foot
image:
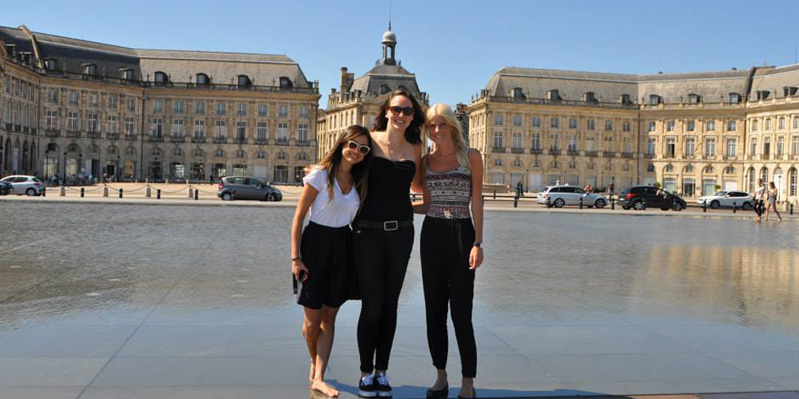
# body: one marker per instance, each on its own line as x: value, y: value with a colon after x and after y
x: 323, y: 387
x: 313, y: 370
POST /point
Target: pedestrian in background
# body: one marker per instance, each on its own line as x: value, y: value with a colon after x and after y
x: 772, y: 200
x: 758, y: 197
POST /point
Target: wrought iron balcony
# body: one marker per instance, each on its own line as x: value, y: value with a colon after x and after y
x: 198, y: 139
x: 112, y: 136
x: 282, y: 142
x: 517, y: 150
x: 554, y: 151
x: 591, y: 153
x: 609, y: 154
x: 130, y: 137
x: 93, y: 135
x: 536, y: 151
x: 572, y: 152
x: 303, y: 143
x: 261, y: 141
x: 156, y: 139
x: 52, y: 133
x: 627, y: 155
x: 177, y: 139
x: 498, y: 149
x: 73, y: 134
x: 220, y: 140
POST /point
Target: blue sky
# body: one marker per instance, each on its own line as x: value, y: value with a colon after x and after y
x: 453, y: 47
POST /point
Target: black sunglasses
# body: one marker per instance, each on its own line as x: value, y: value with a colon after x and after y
x: 362, y: 148
x: 407, y: 111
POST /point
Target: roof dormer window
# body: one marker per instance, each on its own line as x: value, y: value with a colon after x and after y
x: 762, y: 94
x: 127, y: 73
x: 203, y: 79
x: 589, y: 97
x: 735, y: 98
x: 655, y: 99
x: 50, y: 64
x: 789, y: 91
x: 89, y: 69
x: 518, y: 94
x: 553, y: 95
x: 161, y: 79
x: 244, y: 81
x: 285, y: 83
x: 694, y: 98
x: 625, y: 99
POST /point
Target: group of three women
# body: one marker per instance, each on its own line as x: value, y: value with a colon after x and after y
x: 361, y: 224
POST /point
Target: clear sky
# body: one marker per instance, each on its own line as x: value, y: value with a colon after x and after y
x: 453, y: 47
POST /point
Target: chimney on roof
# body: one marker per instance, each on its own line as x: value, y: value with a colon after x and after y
x: 347, y: 80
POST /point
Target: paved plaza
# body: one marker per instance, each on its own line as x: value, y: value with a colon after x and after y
x: 143, y: 301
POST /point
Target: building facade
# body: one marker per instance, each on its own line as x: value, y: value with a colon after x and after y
x: 77, y: 108
x: 692, y: 133
x: 357, y: 101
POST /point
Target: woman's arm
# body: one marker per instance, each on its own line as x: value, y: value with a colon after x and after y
x: 417, y: 185
x: 422, y: 206
x: 307, y: 197
x: 476, y: 169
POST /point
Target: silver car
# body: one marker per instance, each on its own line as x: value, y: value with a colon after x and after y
x: 560, y: 196
x: 727, y: 199
x: 29, y: 185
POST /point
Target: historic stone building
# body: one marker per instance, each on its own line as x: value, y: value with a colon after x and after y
x: 74, y: 107
x: 357, y: 100
x: 692, y: 133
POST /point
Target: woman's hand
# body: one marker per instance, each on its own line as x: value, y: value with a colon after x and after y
x: 475, y: 258
x: 296, y: 267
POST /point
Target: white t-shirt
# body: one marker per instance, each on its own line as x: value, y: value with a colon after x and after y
x: 759, y: 192
x: 336, y: 213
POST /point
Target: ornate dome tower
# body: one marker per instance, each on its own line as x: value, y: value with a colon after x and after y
x: 389, y: 47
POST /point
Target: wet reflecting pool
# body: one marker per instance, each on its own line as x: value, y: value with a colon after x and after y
x: 553, y: 286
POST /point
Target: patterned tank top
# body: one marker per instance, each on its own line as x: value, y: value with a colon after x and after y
x: 450, y: 193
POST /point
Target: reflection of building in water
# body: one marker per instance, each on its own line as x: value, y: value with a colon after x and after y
x: 74, y: 107
x: 752, y: 285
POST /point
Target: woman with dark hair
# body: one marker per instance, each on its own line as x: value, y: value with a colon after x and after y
x: 383, y: 233
x: 321, y: 258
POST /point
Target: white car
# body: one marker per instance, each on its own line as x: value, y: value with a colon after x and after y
x: 726, y: 199
x: 28, y: 185
x: 560, y: 196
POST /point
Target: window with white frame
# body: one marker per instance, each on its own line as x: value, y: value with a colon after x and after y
x: 781, y: 123
x: 178, y: 128
x: 51, y: 121
x: 283, y: 111
x: 608, y: 125
x: 221, y: 109
x: 796, y: 122
x: 498, y: 119
x: 517, y: 120
x: 536, y: 121
x: 554, y: 122
x: 572, y: 144
x: 670, y: 147
x: 112, y: 125
x: 220, y: 129
x: 731, y: 144
x: 555, y: 142
x: 753, y: 146
x: 52, y: 96
x: 755, y: 125
x: 626, y: 126
x: 652, y: 126
x: 131, y: 104
x: 178, y: 106
x: 74, y: 97
x: 498, y: 140
x: 767, y: 146
x: 241, y: 109
x: 710, y: 126
x: 72, y: 121
x: 199, y: 129
x: 130, y: 126
x: 302, y: 133
x: 260, y: 154
x: 710, y: 147
x: 305, y: 111
x: 670, y: 126
x: 795, y: 145
x: 768, y: 123
x: 590, y: 124
x: 199, y: 108
x: 262, y: 109
x: 731, y: 125
x: 158, y: 127
x: 517, y: 140
x: 572, y: 123
x: 241, y: 131
x: 590, y: 144
x: 537, y: 141
x: 94, y: 100
x: 691, y: 126
x: 628, y: 145
x: 112, y: 101
x: 261, y: 131
x: 158, y: 105
x: 283, y: 133
x: 780, y: 145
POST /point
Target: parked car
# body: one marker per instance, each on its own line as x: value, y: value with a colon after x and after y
x: 641, y: 197
x: 560, y: 196
x: 29, y: 185
x: 726, y: 199
x: 6, y: 188
x: 247, y: 188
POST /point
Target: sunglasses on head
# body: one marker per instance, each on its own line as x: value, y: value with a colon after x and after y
x: 407, y: 111
x: 362, y: 148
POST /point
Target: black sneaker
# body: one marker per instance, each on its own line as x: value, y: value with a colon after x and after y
x: 367, y: 387
x: 381, y: 384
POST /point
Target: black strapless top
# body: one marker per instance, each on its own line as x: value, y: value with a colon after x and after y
x: 388, y: 195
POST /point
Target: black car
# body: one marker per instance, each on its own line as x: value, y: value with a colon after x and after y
x: 6, y: 188
x: 247, y: 188
x: 642, y: 197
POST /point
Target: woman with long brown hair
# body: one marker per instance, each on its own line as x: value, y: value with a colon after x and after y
x: 321, y: 258
x: 383, y: 233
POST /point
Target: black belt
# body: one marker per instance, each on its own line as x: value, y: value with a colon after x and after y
x: 388, y: 225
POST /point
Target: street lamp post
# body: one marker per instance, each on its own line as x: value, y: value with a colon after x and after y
x: 64, y: 171
x: 116, y: 171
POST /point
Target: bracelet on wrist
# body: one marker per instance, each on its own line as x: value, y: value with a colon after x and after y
x: 297, y: 258
x: 478, y: 244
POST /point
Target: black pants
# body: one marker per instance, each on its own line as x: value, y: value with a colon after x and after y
x: 445, y: 248
x: 381, y: 259
x: 760, y: 207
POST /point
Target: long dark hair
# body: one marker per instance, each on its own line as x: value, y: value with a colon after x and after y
x: 413, y: 134
x: 359, y: 172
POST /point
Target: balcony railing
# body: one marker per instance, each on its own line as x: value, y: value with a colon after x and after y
x: 220, y: 140
x: 649, y: 155
x: 93, y: 135
x: 156, y: 139
x: 8, y: 127
x: 52, y: 132
x: 554, y: 151
x: 25, y: 129
x: 536, y: 151
x: 729, y: 157
x: 73, y: 134
x: 708, y: 156
x: 569, y: 103
x: 17, y: 128
x: 627, y: 155
x: 591, y: 153
x: 303, y: 143
x: 261, y: 141
x: 112, y: 136
x: 282, y: 142
x: 130, y: 137
x: 517, y: 150
x: 241, y: 140
x: 198, y: 139
x: 498, y: 149
x: 177, y: 139
x: 689, y: 156
x: 572, y: 152
x: 609, y: 154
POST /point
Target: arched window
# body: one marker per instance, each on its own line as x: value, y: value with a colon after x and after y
x: 244, y: 81
x: 203, y: 79
x: 669, y: 168
x: 589, y: 97
x: 285, y: 83
x: 89, y: 69
x: 764, y: 176
x: 73, y: 148
x: 161, y: 78
x: 654, y: 99
x: 694, y: 98
x: 709, y: 170
x: 729, y: 170
x: 689, y: 169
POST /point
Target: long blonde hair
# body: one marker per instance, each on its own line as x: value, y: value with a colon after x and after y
x: 444, y: 111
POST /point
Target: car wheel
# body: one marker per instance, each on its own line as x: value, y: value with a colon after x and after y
x: 270, y: 197
x: 747, y: 206
x: 227, y: 197
x: 559, y: 203
x: 626, y: 208
x: 30, y: 192
x: 600, y: 203
x: 638, y: 206
x: 715, y: 205
x: 679, y: 207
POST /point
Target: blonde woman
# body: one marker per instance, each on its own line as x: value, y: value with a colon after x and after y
x: 772, y: 200
x: 451, y: 245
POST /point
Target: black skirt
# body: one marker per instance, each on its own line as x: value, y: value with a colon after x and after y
x: 327, y: 253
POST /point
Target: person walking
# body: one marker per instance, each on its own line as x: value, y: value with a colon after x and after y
x: 451, y: 245
x: 383, y: 234
x: 321, y: 254
x: 758, y: 196
x: 771, y: 195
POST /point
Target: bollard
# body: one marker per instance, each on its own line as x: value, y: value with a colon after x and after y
x: 495, y: 194
x: 44, y: 192
x: 791, y: 209
x: 734, y: 207
x: 105, y: 191
x: 643, y: 204
x: 581, y: 203
x: 158, y: 194
x: 196, y: 194
x: 147, y: 193
x: 82, y: 192
x: 190, y: 193
x: 704, y: 206
x: 120, y: 193
x: 63, y: 192
x: 516, y: 201
x: 612, y: 204
x: 549, y: 202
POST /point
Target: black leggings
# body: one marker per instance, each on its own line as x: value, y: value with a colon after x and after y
x: 445, y: 248
x: 381, y: 259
